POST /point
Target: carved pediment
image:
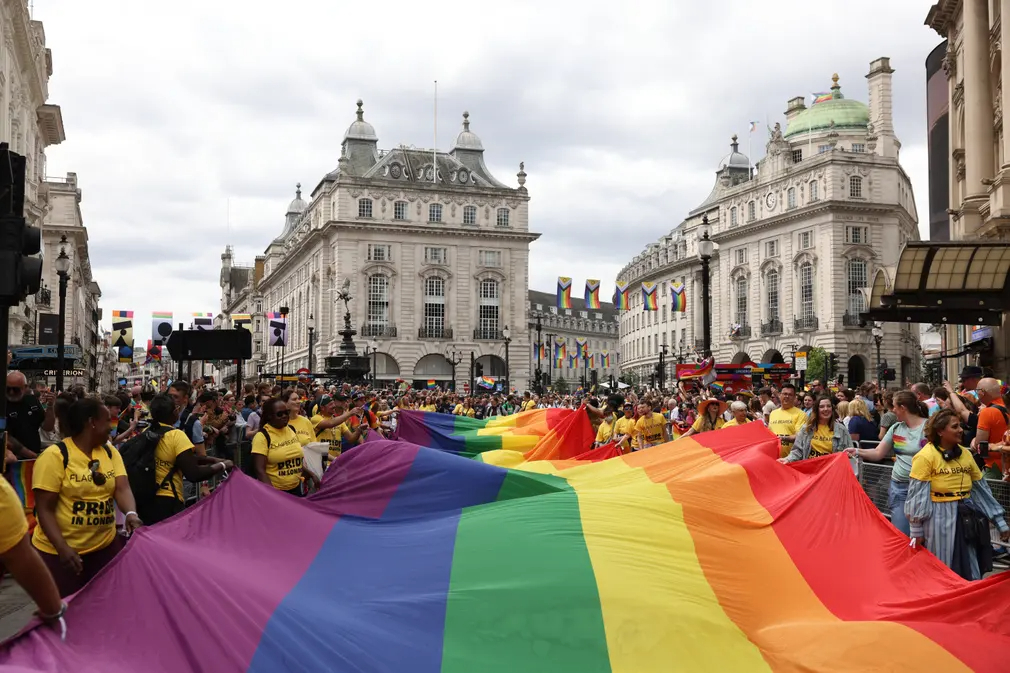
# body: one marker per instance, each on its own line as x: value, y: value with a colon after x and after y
x: 383, y: 268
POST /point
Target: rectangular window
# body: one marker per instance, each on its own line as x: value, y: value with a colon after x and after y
x: 378, y: 301
x: 435, y: 212
x: 434, y: 306
x: 797, y: 156
x: 554, y: 310
x: 771, y: 249
x: 821, y: 149
x: 806, y: 240
x: 857, y: 274
x: 751, y: 211
x: 503, y: 217
x: 791, y: 197
x: 855, y: 187
x: 540, y: 307
x: 364, y: 207
x: 490, y: 258
x: 772, y: 284
x: 857, y: 235
x: 859, y: 148
x: 807, y: 291
x: 489, y: 309
x: 435, y: 256
x: 380, y: 252
x: 470, y: 215
x: 813, y: 190
x: 583, y: 314
x: 400, y: 210
x: 740, y: 256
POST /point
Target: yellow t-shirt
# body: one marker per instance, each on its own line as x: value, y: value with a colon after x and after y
x: 458, y: 410
x: 13, y: 525
x: 625, y: 426
x: 470, y: 413
x: 699, y: 427
x: 951, y: 478
x: 304, y: 428
x: 732, y: 423
x: 428, y: 407
x: 330, y: 435
x: 649, y: 430
x: 284, y: 456
x: 820, y: 443
x: 85, y: 512
x: 172, y: 444
x: 604, y: 432
x: 784, y: 423
x: 527, y: 405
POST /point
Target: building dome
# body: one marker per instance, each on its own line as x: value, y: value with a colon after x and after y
x: 360, y: 129
x: 297, y: 205
x: 846, y: 114
x: 467, y: 139
x: 735, y: 159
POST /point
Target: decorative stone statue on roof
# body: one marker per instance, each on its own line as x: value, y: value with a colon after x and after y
x: 776, y: 143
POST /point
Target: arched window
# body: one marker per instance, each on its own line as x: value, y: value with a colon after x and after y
x: 364, y: 207
x: 469, y: 214
x: 434, y: 308
x: 806, y: 291
x: 741, y: 301
x: 489, y: 316
x: 791, y: 197
x: 856, y: 281
x: 772, y: 294
x: 503, y: 217
x: 378, y: 304
x: 732, y: 216
x: 813, y: 190
x: 751, y: 213
x: 855, y: 187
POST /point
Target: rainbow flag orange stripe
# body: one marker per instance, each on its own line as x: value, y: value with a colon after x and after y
x: 621, y: 302
x: 649, y: 300
x: 592, y: 294
x: 678, y: 298
x: 564, y: 292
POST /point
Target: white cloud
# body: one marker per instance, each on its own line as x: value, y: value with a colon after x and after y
x: 621, y: 113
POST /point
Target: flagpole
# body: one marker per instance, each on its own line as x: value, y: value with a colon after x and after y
x: 434, y: 152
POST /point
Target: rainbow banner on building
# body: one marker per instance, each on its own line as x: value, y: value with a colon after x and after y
x: 621, y: 302
x: 560, y: 352
x: 573, y: 361
x: 678, y: 297
x: 542, y: 349
x: 650, y: 301
x: 592, y: 294
x: 821, y: 97
x: 564, y: 292
x: 605, y: 359
x: 517, y: 559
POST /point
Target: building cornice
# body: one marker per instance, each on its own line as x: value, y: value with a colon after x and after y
x: 461, y: 230
x: 426, y: 189
x: 805, y: 212
x: 941, y: 14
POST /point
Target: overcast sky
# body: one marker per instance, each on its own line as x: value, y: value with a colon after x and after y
x: 620, y: 112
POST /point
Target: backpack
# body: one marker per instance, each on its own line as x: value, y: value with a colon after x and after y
x: 66, y: 455
x: 138, y: 458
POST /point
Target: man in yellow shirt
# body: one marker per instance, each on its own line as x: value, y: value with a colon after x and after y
x: 330, y: 425
x: 528, y: 402
x: 650, y: 429
x: 787, y: 420
x: 739, y: 410
x: 624, y: 428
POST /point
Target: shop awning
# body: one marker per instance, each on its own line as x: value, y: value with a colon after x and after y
x: 956, y: 283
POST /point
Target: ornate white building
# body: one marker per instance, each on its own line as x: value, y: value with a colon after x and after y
x: 598, y: 327
x: 28, y: 124
x: 798, y: 241
x: 437, y: 262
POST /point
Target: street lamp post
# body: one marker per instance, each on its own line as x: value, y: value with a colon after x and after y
x: 662, y: 366
x: 539, y: 375
x: 878, y: 337
x: 454, y: 359
x: 375, y: 347
x: 312, y: 337
x: 550, y: 359
x: 506, y: 336
x: 705, y: 249
x: 284, y: 344
x: 63, y: 271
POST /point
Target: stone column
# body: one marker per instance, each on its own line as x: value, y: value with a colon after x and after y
x: 978, y: 118
x: 1004, y: 73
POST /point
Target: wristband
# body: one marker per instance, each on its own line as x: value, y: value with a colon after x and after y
x: 49, y: 619
x: 127, y: 515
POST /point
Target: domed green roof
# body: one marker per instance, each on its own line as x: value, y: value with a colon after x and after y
x: 845, y: 113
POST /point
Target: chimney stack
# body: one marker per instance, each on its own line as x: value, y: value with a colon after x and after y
x: 881, y: 110
x: 794, y: 107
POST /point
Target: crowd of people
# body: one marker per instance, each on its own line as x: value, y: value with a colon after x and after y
x: 105, y: 465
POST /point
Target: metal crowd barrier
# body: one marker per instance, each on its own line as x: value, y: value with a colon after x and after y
x: 875, y: 478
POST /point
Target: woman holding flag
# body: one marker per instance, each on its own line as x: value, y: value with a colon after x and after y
x: 710, y: 413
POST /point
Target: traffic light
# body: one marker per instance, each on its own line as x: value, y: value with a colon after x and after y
x: 478, y: 370
x: 832, y: 365
x: 20, y: 272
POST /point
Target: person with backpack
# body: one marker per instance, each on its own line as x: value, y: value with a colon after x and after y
x: 277, y: 453
x: 157, y: 460
x: 76, y: 483
x: 188, y: 416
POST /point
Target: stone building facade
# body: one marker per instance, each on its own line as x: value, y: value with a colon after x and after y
x: 598, y: 327
x: 28, y: 123
x: 435, y: 250
x: 798, y: 240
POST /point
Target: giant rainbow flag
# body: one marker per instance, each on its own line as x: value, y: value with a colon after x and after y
x: 704, y: 555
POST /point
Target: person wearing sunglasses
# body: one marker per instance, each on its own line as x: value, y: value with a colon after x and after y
x: 76, y: 482
x: 277, y: 453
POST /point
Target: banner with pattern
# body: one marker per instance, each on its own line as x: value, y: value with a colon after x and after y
x: 592, y: 294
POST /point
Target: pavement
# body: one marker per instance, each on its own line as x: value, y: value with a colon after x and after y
x: 16, y: 609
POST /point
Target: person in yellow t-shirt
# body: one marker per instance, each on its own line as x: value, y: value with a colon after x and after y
x: 303, y: 427
x: 606, y: 430
x: 528, y: 402
x: 76, y: 535
x: 624, y: 428
x: 277, y: 453
x: 458, y: 409
x: 945, y: 474
x: 22, y: 561
x: 787, y: 420
x: 174, y: 458
x: 650, y: 429
x: 709, y: 418
x: 739, y: 410
x: 330, y: 425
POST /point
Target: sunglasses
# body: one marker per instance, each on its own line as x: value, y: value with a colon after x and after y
x: 96, y: 476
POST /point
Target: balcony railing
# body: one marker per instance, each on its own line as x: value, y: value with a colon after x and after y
x: 740, y: 332
x: 852, y: 320
x: 425, y: 333
x: 487, y: 334
x: 771, y: 327
x: 806, y: 324
x: 378, y: 331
